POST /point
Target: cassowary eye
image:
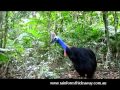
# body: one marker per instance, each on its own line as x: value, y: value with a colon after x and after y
x: 55, y: 38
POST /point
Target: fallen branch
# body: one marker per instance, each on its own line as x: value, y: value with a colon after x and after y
x: 3, y: 50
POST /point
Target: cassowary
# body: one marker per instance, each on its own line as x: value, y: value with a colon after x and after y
x: 83, y: 59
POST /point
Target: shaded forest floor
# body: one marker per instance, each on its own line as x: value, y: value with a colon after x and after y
x: 99, y: 74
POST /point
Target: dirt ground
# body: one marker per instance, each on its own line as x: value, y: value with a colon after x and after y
x: 99, y: 74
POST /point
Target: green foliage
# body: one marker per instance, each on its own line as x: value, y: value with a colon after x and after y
x: 29, y: 35
x: 3, y: 58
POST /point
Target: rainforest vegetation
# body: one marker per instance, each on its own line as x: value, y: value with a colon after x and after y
x: 26, y: 51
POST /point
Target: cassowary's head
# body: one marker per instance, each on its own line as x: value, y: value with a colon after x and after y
x: 54, y: 38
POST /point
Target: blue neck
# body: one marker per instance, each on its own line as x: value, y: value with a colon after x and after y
x: 62, y: 44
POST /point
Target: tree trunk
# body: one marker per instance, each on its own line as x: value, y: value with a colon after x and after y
x: 115, y: 27
x: 105, y: 19
x: 116, y: 39
x: 1, y: 29
x: 6, y: 29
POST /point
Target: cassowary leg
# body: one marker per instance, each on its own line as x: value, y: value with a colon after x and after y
x: 82, y: 75
x: 90, y: 76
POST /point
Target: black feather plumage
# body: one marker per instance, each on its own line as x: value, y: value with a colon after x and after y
x: 83, y: 59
